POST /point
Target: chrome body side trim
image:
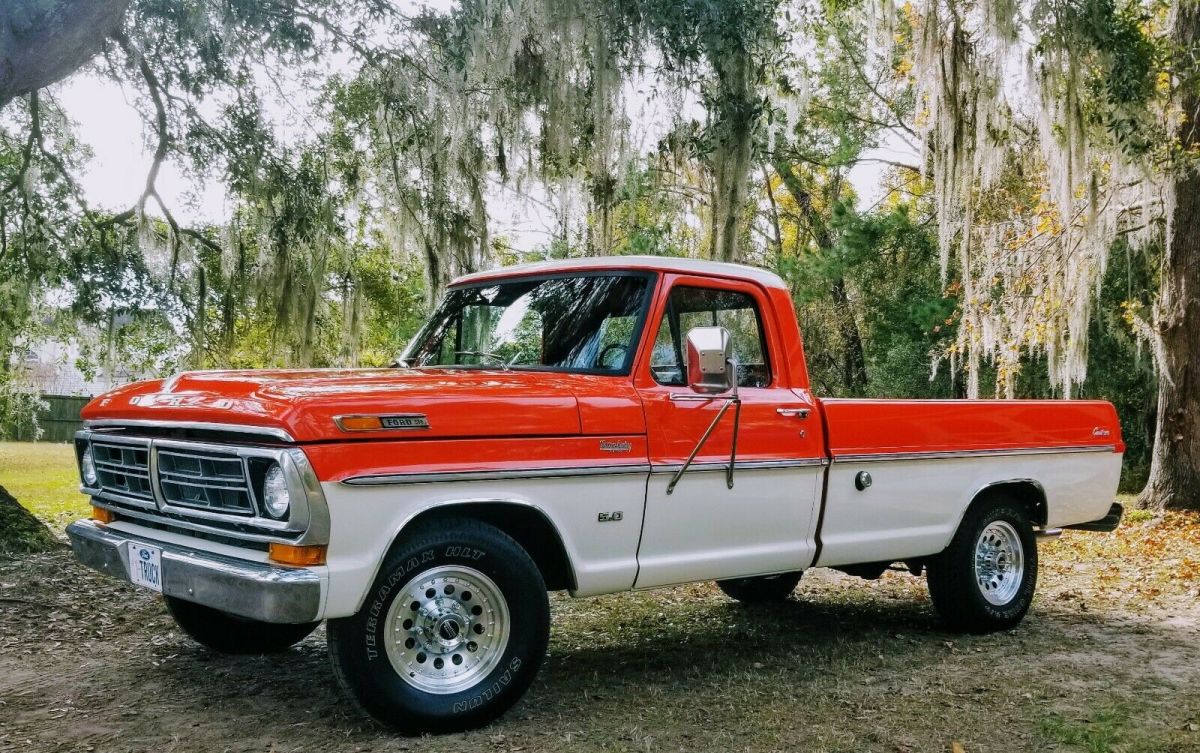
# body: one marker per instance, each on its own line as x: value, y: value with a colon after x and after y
x: 523, y: 473
x: 581, y: 470
x: 262, y: 431
x: 957, y: 454
x: 249, y: 589
x: 745, y: 465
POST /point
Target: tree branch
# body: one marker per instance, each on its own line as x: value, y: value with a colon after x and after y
x: 161, y: 150
x: 27, y: 151
x: 42, y: 42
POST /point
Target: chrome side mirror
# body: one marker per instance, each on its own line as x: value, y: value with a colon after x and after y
x: 710, y: 369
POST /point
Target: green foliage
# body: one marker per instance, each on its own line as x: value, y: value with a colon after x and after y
x: 648, y: 216
x: 905, y: 318
x: 1110, y: 40
x: 908, y: 317
x: 342, y: 236
x: 19, y: 406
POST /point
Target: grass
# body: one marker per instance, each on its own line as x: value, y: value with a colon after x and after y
x: 42, y: 476
x: 1098, y: 734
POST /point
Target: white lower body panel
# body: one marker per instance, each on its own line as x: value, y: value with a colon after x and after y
x: 913, y: 506
x: 365, y: 520
x: 706, y: 531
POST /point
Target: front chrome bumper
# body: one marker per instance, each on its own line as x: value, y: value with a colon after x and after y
x: 248, y: 589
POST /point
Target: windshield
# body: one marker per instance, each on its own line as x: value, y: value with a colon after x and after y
x: 585, y: 323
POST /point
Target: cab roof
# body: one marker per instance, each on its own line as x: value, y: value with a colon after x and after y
x: 648, y: 263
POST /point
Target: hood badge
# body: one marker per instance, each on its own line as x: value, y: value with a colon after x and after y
x: 169, y: 400
x: 393, y: 422
x: 607, y: 445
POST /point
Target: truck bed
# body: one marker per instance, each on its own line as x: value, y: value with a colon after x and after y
x: 927, y: 459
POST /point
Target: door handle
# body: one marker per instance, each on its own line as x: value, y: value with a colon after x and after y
x: 797, y: 412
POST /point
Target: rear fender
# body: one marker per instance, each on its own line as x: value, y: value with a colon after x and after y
x: 1028, y: 492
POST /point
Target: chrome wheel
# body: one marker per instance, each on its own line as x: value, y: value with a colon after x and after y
x: 447, y: 629
x: 999, y: 562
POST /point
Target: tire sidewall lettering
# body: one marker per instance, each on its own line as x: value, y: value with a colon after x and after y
x: 361, y: 643
x: 378, y: 606
x: 402, y: 573
x: 468, y: 553
x: 494, y: 688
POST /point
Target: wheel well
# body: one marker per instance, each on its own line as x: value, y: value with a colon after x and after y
x: 527, y: 525
x: 1027, y: 492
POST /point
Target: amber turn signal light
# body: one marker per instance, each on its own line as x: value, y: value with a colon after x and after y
x: 359, y: 423
x: 100, y: 515
x: 289, y: 554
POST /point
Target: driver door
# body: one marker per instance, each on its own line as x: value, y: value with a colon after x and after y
x: 703, y: 529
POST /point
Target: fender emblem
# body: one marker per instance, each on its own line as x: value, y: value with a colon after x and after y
x: 610, y: 446
x: 615, y: 516
x: 1100, y: 431
x: 382, y: 423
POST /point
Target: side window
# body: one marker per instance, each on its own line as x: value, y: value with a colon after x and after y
x: 705, y: 307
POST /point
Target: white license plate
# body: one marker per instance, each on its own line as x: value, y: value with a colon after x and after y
x: 145, y: 566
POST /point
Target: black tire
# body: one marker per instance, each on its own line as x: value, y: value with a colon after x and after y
x: 229, y: 634
x: 959, y: 597
x: 761, y: 589
x: 456, y: 550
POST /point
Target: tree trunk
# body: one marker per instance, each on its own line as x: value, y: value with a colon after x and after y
x: 42, y: 41
x: 737, y: 110
x: 1175, y: 468
x: 854, y: 362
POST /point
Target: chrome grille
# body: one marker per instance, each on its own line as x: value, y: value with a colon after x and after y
x: 202, y: 489
x: 207, y: 481
x: 123, y: 469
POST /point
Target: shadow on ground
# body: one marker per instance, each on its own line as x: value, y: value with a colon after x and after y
x: 844, y: 666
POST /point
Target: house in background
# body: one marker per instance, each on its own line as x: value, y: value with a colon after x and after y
x: 51, y: 369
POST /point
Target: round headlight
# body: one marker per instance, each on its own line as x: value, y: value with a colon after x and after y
x: 87, y: 467
x: 276, y: 497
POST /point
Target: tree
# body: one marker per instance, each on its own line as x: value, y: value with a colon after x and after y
x: 44, y: 41
x: 1112, y: 152
x: 1175, y: 468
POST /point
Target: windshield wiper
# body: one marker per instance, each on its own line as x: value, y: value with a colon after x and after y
x: 504, y: 364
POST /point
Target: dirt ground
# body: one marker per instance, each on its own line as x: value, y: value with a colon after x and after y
x: 1108, y: 660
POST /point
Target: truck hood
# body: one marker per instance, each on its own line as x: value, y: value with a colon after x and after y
x: 304, y: 403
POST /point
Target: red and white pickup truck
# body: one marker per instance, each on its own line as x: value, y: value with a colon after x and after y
x: 594, y: 425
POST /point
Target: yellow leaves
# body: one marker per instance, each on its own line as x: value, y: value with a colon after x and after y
x: 1162, y: 84
x: 1143, y: 560
x: 1131, y: 311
